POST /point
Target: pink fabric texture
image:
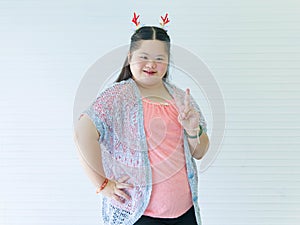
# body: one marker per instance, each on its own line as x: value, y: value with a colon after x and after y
x: 171, y: 196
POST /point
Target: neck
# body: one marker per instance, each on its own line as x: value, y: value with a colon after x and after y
x: 154, y: 91
x: 150, y: 88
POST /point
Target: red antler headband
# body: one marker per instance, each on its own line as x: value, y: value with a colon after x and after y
x: 164, y: 21
x: 135, y: 20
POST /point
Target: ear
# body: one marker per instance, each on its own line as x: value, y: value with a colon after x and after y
x: 129, y: 57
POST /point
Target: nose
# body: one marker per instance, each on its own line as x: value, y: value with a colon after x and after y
x: 151, y: 64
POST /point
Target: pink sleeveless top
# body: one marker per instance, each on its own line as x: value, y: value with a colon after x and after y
x: 171, y: 195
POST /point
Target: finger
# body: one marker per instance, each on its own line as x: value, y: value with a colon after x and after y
x: 124, y: 179
x: 187, y: 111
x: 122, y: 194
x: 179, y: 119
x: 123, y: 185
x: 187, y: 99
x: 187, y: 104
x: 118, y: 198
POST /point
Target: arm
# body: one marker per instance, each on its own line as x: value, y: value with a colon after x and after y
x: 198, y: 150
x: 190, y: 119
x: 86, y: 137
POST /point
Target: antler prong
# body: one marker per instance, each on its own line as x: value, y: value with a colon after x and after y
x: 165, y: 20
x: 135, y: 19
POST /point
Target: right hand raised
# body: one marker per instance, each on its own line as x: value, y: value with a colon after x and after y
x: 116, y: 189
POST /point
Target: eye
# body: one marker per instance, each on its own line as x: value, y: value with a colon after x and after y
x: 159, y: 59
x: 144, y: 57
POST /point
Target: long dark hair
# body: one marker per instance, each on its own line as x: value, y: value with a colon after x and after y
x: 144, y: 33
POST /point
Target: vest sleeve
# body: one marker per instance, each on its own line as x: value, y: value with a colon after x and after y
x: 202, y: 118
x: 99, y: 113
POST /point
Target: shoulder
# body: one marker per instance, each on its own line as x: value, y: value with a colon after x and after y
x: 116, y: 89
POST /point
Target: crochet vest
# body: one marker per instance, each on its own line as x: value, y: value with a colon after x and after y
x: 117, y: 114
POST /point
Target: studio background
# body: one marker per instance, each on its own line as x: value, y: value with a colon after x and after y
x: 252, y: 48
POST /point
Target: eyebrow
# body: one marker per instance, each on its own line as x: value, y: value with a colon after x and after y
x: 148, y: 54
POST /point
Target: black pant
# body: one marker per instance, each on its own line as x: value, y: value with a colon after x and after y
x: 187, y: 218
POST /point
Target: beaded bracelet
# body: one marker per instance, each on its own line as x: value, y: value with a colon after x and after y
x: 102, y: 186
x: 195, y: 136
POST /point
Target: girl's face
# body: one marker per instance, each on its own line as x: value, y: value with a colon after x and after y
x: 149, y: 63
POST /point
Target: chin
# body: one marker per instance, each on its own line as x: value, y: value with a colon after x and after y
x: 149, y: 80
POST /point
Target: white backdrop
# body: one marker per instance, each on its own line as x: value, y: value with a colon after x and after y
x: 252, y: 48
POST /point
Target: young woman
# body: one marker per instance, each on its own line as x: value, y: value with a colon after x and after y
x: 139, y: 138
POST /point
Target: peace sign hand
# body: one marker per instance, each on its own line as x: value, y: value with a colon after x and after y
x: 188, y: 116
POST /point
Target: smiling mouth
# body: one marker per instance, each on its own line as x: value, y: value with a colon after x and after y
x: 149, y: 72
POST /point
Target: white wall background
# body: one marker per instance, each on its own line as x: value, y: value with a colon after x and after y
x: 253, y: 49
